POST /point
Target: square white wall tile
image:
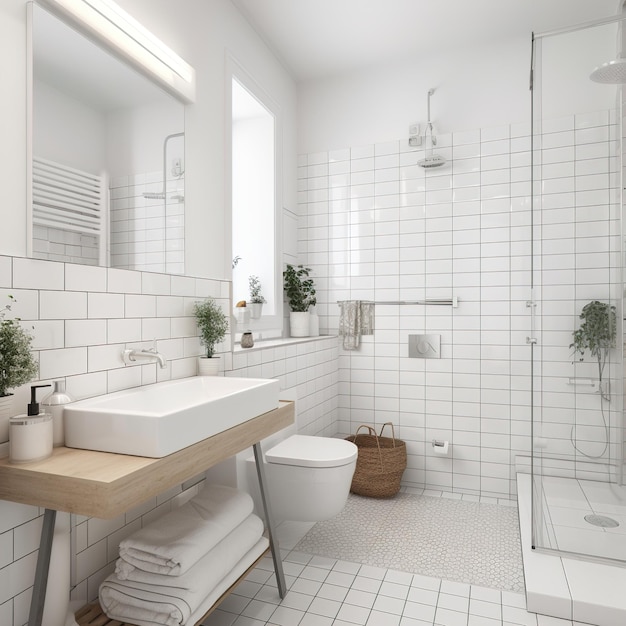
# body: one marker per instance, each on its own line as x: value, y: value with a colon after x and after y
x: 85, y: 332
x: 85, y: 278
x: 62, y: 305
x: 123, y: 281
x: 6, y: 271
x: 62, y: 362
x: 35, y: 274
x: 105, y: 305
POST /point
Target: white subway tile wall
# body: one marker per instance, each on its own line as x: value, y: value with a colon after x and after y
x: 79, y: 335
x: 374, y: 225
x: 55, y: 244
x: 147, y: 233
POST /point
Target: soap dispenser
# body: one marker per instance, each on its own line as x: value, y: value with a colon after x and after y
x: 53, y: 403
x: 30, y: 435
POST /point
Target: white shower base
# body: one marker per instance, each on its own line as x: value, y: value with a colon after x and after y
x: 568, y: 588
x: 566, y: 503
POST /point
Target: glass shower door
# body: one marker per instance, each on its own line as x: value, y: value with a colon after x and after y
x: 576, y: 301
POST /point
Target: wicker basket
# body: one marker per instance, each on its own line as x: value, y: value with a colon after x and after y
x: 380, y: 463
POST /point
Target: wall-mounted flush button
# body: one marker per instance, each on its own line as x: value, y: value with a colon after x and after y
x: 425, y: 346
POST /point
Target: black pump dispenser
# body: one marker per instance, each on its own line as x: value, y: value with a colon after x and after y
x: 33, y: 407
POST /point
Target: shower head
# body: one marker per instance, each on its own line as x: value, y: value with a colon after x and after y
x: 432, y: 160
x: 610, y: 73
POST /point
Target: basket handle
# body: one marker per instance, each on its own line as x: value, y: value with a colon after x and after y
x: 393, y: 432
x: 372, y: 432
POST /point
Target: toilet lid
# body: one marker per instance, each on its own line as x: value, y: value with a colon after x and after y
x: 307, y: 451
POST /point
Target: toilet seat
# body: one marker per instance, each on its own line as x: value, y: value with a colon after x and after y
x: 309, y: 451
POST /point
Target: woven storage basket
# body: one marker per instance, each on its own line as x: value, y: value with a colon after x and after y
x: 380, y: 463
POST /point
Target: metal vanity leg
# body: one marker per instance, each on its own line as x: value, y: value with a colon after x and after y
x: 269, y: 519
x: 43, y: 565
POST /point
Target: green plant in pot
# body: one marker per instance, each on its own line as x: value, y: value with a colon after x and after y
x: 17, y: 364
x: 213, y: 325
x: 257, y: 300
x: 300, y: 291
x: 596, y: 336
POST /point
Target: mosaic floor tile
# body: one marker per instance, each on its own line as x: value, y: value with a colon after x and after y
x: 457, y: 540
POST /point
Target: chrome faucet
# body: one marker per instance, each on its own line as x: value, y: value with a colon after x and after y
x: 139, y: 354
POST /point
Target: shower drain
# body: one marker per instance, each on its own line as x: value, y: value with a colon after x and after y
x: 602, y: 521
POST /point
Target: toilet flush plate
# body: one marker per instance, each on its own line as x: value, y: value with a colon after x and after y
x: 425, y: 346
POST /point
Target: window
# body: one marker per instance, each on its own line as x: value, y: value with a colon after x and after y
x: 255, y: 200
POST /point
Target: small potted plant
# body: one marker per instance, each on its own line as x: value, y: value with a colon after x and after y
x: 213, y: 324
x: 300, y: 292
x: 17, y: 364
x: 256, y: 298
x: 596, y: 335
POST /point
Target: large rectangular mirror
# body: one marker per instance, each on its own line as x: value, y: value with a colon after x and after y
x: 108, y: 157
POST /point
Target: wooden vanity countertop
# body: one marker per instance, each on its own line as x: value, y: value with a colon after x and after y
x: 105, y: 485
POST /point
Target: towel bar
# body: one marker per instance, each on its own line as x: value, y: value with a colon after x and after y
x: 453, y: 302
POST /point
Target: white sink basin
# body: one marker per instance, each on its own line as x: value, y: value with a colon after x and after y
x: 156, y: 420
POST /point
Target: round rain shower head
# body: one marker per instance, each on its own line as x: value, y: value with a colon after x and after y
x: 611, y: 73
x: 433, y: 160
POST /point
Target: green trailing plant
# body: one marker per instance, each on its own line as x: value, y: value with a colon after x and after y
x: 212, y: 323
x: 596, y: 333
x: 17, y: 364
x: 255, y: 290
x: 299, y: 288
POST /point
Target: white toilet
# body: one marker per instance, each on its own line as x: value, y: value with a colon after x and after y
x: 308, y: 477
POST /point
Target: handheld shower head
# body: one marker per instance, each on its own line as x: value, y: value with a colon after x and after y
x: 430, y: 160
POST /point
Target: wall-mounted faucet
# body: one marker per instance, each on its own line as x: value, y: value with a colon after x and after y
x: 133, y: 355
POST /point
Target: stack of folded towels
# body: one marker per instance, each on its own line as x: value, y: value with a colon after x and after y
x: 172, y: 571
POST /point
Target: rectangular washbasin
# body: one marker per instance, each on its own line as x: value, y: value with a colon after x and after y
x: 157, y: 420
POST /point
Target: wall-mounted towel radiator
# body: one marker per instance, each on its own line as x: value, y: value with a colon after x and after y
x: 69, y: 199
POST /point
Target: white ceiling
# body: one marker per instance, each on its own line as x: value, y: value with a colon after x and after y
x: 318, y: 38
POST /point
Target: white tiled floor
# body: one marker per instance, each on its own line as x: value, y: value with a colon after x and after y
x: 330, y: 592
x: 325, y: 592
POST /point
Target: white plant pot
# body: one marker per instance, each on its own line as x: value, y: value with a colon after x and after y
x: 208, y: 366
x: 242, y: 314
x: 256, y: 310
x: 299, y: 323
x: 6, y: 412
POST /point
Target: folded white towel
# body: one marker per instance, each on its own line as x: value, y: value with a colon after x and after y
x: 171, y: 600
x: 222, y: 556
x: 175, y: 542
x: 228, y: 580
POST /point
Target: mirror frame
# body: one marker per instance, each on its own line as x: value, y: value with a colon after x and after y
x: 106, y: 25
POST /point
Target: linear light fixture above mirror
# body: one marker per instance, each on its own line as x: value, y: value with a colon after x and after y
x: 125, y: 37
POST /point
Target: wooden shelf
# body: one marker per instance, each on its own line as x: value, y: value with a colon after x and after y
x: 93, y: 614
x: 104, y: 485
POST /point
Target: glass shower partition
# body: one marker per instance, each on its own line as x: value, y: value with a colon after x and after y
x: 577, y: 362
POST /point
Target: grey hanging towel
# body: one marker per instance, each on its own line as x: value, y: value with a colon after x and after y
x: 356, y: 319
